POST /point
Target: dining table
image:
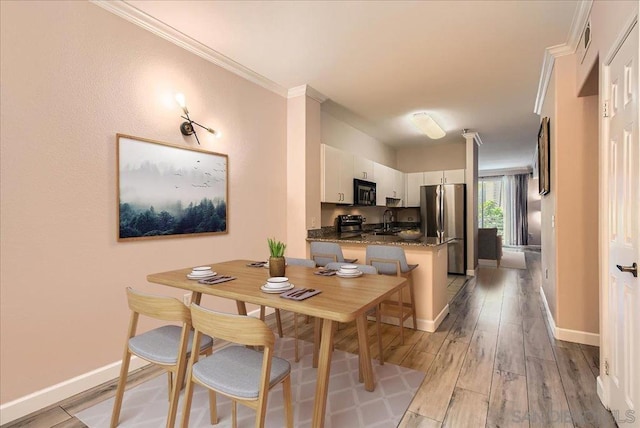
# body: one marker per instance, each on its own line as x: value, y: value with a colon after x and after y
x: 341, y: 300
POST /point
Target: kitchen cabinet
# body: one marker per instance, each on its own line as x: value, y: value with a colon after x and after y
x: 363, y: 168
x: 336, y: 175
x: 414, y: 181
x: 389, y: 183
x: 452, y: 176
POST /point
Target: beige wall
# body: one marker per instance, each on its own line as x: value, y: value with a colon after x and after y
x: 343, y: 136
x: 576, y: 203
x: 73, y: 75
x: 548, y: 204
x: 570, y: 249
x: 432, y: 158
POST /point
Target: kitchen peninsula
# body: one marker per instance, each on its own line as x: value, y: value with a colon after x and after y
x: 429, y: 278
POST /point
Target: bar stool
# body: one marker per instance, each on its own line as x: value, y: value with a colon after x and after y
x: 391, y: 260
x: 327, y: 252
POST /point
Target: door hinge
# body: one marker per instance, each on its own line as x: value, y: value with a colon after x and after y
x: 605, y: 109
x: 606, y: 367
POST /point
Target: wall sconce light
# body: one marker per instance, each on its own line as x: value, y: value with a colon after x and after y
x: 428, y: 126
x: 186, y: 128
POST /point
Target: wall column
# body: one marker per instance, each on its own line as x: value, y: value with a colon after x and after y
x: 471, y: 178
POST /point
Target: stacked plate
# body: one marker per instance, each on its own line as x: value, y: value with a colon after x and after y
x: 277, y: 284
x: 348, y: 271
x: 201, y: 272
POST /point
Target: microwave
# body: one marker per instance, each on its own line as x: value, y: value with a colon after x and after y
x: 364, y: 192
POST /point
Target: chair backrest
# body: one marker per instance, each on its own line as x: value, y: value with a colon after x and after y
x: 159, y: 307
x: 326, y: 252
x: 240, y: 329
x: 300, y: 262
x: 366, y: 269
x: 489, y: 246
x: 392, y: 255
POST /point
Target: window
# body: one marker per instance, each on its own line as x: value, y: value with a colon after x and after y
x: 490, y: 211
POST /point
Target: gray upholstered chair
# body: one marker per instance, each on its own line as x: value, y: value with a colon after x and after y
x: 490, y: 245
x: 168, y: 346
x: 243, y: 374
x: 391, y: 260
x: 327, y: 252
x: 367, y: 270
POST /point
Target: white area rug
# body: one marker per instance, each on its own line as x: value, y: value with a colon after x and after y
x: 513, y: 260
x: 348, y: 404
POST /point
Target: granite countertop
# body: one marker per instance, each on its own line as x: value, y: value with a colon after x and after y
x: 371, y: 239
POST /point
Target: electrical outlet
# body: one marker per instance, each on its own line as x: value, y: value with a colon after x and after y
x: 410, y: 219
x: 186, y: 299
x: 546, y: 274
x: 553, y: 221
x: 313, y: 222
x: 364, y: 219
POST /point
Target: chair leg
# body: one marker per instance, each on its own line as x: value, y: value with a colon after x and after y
x: 296, y: 354
x: 178, y: 378
x: 124, y: 370
x: 234, y: 414
x: 279, y: 322
x: 188, y: 395
x: 213, y: 408
x: 261, y: 312
x: 379, y: 333
x: 288, y: 409
x: 413, y: 304
x: 401, y: 316
x: 169, y: 384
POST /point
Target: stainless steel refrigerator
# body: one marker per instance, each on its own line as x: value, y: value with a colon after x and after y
x: 443, y: 215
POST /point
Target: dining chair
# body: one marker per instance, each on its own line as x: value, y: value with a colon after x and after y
x: 327, y: 252
x: 367, y: 270
x: 306, y: 263
x: 167, y: 346
x: 391, y: 260
x: 243, y: 374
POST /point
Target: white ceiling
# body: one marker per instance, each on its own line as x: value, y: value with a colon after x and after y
x: 472, y: 64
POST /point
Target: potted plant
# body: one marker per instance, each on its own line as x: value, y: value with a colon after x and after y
x: 276, y: 261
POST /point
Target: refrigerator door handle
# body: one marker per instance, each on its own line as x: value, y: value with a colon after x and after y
x: 439, y: 195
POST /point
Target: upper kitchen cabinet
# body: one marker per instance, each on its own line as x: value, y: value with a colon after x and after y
x: 363, y: 168
x: 452, y: 176
x: 337, y: 175
x: 389, y: 183
x: 414, y: 181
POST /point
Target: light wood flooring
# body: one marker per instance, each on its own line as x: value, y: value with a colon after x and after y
x: 492, y: 362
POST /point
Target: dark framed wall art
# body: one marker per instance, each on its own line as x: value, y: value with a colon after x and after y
x: 544, y: 165
x: 166, y: 190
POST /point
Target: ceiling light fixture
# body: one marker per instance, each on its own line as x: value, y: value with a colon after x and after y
x: 186, y: 128
x: 428, y: 126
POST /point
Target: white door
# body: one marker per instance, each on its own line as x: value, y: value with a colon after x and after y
x: 620, y: 135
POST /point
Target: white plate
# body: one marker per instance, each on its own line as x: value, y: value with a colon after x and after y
x: 349, y: 275
x: 275, y: 291
x: 277, y: 279
x: 207, y: 275
x: 348, y: 267
x: 280, y: 286
x: 201, y: 268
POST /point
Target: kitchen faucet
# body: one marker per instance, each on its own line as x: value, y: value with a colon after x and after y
x: 386, y: 225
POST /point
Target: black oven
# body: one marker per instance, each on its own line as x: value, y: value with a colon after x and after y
x: 364, y: 192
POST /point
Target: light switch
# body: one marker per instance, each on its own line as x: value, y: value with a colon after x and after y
x: 553, y: 221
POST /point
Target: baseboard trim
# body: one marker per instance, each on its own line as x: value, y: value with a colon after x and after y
x: 566, y: 334
x: 48, y: 396
x: 601, y: 392
x: 432, y: 325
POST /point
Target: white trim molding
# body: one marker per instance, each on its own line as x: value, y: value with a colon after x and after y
x: 159, y: 28
x: 308, y: 91
x: 565, y: 334
x: 46, y: 397
x: 580, y: 19
x: 432, y: 325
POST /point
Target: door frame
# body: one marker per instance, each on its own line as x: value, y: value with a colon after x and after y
x: 603, y: 382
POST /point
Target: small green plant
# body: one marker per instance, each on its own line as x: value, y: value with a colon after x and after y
x: 276, y: 247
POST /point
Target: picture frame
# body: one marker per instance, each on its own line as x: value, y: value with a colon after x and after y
x: 544, y: 165
x: 169, y: 191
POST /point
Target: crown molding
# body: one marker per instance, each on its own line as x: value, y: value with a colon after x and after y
x: 308, y: 91
x: 580, y: 18
x: 474, y: 136
x: 149, y: 23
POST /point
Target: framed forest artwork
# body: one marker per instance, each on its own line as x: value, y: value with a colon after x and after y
x: 544, y: 164
x: 167, y: 190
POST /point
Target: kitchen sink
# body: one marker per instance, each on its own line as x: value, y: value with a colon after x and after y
x: 393, y: 231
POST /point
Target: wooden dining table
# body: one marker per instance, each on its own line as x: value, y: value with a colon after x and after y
x: 341, y: 300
